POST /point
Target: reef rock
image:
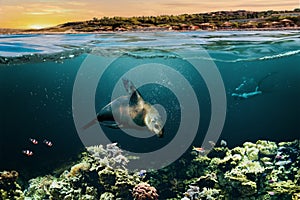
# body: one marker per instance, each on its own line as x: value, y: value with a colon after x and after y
x: 143, y: 191
x: 100, y: 173
x: 261, y: 170
x: 9, y: 188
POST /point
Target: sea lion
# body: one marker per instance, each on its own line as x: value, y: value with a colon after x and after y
x: 257, y: 91
x: 131, y: 112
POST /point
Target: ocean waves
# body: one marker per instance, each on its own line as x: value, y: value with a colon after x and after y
x: 281, y: 55
x: 224, y: 46
x: 58, y: 57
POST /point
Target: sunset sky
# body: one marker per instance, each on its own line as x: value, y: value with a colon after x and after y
x: 42, y: 13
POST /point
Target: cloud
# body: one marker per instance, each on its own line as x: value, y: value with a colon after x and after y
x: 76, y: 3
x: 37, y: 13
x: 41, y: 9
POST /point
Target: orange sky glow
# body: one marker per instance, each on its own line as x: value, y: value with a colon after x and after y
x: 43, y: 13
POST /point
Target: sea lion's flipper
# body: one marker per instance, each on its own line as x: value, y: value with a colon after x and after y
x: 129, y: 87
x: 136, y: 97
x: 105, y: 113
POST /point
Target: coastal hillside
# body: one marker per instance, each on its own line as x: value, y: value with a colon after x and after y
x: 221, y: 20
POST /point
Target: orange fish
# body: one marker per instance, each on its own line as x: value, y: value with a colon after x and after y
x: 27, y: 152
x: 48, y: 143
x: 33, y: 141
x: 199, y: 149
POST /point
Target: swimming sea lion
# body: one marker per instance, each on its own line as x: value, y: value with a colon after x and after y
x: 257, y: 91
x: 131, y: 112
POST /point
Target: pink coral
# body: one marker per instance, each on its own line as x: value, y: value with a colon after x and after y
x: 143, y: 191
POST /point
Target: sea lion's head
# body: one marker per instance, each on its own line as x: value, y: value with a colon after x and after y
x: 154, y: 121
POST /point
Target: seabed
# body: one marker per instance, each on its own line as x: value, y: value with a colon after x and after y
x: 261, y: 170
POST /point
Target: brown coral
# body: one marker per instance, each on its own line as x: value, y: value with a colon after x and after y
x: 12, y: 176
x: 9, y: 188
x: 143, y: 191
x: 78, y: 168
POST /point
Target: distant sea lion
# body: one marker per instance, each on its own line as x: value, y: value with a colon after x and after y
x: 257, y: 91
x: 131, y: 112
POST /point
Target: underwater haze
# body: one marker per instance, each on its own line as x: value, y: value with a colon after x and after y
x: 260, y: 71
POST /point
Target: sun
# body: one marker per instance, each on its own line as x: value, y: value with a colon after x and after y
x: 38, y: 26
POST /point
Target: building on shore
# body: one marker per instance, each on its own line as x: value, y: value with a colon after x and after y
x: 227, y: 25
x: 287, y: 23
x: 250, y: 24
x: 207, y: 26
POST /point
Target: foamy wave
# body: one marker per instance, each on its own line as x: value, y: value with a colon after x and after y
x: 281, y: 55
x: 37, y: 58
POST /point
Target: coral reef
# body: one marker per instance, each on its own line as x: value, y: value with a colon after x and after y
x: 9, y: 188
x: 100, y: 173
x: 41, y: 187
x: 192, y: 192
x: 261, y: 170
x: 143, y: 191
x: 110, y: 156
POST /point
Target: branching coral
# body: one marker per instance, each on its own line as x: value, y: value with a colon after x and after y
x: 110, y: 156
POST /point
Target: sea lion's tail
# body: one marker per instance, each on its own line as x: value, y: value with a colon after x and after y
x: 91, y: 123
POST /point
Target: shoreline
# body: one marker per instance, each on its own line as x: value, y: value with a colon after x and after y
x: 26, y: 32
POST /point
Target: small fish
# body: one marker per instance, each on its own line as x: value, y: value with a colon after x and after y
x: 199, y: 149
x: 27, y: 152
x: 33, y: 141
x: 48, y: 143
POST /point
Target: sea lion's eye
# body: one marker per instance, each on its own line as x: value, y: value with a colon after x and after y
x: 156, y: 126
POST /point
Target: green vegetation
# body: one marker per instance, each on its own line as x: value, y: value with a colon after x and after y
x: 240, y: 19
x: 211, y: 21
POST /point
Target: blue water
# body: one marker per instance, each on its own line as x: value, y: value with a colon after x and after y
x: 38, y: 73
